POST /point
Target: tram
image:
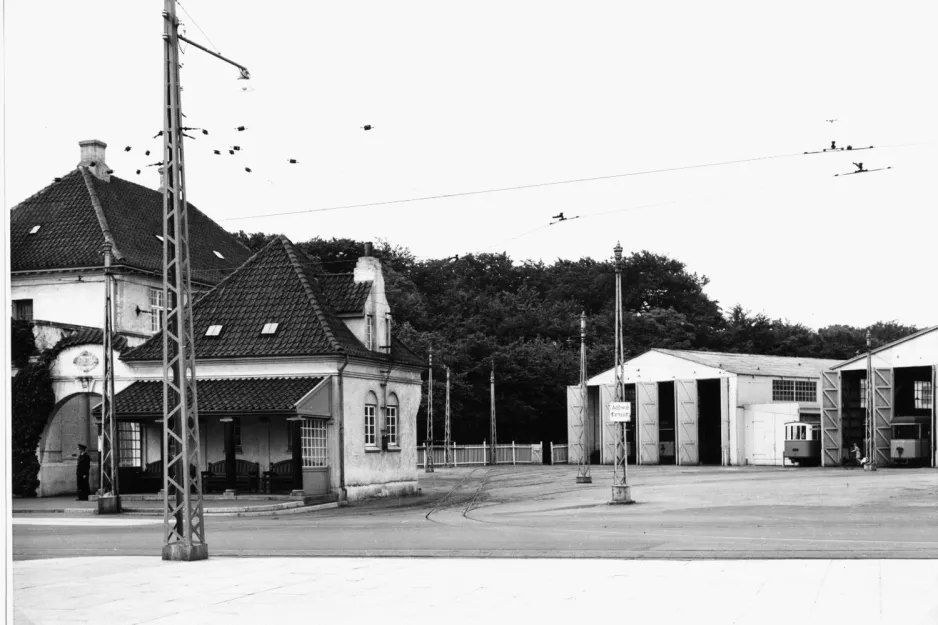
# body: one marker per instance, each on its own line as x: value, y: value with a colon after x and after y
x: 803, y: 443
x: 910, y: 441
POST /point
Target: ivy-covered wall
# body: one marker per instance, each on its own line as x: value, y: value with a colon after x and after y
x: 33, y: 401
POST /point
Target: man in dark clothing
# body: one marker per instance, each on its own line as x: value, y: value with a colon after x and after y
x: 81, y: 472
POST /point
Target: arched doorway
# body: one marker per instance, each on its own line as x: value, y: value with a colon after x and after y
x: 71, y: 423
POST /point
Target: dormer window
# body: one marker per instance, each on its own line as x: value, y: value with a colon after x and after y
x: 160, y: 237
x: 270, y: 328
x: 217, y: 253
x: 35, y: 229
x: 213, y: 330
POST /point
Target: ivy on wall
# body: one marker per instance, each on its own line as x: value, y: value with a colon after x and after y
x: 33, y: 401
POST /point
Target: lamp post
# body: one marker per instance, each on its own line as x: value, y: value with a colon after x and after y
x: 620, y: 479
x: 583, y: 461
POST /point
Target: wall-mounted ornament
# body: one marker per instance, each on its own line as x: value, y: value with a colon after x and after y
x: 86, y: 361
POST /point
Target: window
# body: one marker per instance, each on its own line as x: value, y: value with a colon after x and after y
x: 34, y: 229
x: 794, y: 390
x: 128, y: 444
x: 157, y: 309
x: 863, y: 393
x: 923, y: 395
x: 213, y: 330
x: 217, y: 253
x: 23, y: 309
x: 270, y: 328
x: 370, y: 331
x: 391, y: 422
x: 387, y: 332
x: 370, y: 408
x: 313, y: 439
x: 237, y: 435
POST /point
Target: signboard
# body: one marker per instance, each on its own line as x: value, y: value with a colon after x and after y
x: 620, y: 411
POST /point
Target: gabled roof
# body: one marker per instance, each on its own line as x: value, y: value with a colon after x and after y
x: 91, y: 336
x: 276, y: 285
x: 77, y: 213
x: 751, y: 364
x: 910, y: 337
x: 344, y: 294
x: 242, y: 395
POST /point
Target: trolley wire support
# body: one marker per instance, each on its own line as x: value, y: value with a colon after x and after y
x: 621, y: 492
x: 447, y: 435
x: 493, y: 450
x: 428, y: 461
x: 870, y: 464
x: 183, y: 513
x: 109, y: 501
x: 580, y: 434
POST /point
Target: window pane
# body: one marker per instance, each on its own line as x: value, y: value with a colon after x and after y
x: 392, y: 425
x: 313, y: 439
x: 128, y: 444
x: 370, y: 424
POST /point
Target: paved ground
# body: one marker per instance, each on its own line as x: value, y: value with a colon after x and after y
x: 542, y: 512
x: 738, y: 545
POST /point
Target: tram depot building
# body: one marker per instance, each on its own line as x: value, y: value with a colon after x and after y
x: 301, y: 387
x: 710, y: 408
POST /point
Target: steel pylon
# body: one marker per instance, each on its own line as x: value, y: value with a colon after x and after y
x: 428, y: 453
x: 580, y: 426
x: 620, y: 478
x: 447, y: 435
x: 183, y: 515
x: 109, y: 492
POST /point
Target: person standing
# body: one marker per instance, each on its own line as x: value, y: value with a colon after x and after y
x: 82, y: 472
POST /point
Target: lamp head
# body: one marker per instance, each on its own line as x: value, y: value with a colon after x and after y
x: 617, y: 250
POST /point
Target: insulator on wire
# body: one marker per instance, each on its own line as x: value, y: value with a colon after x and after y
x: 247, y: 169
x: 147, y: 153
x: 231, y: 152
x: 205, y: 132
x: 367, y: 126
x: 236, y: 147
x: 159, y: 134
x: 240, y: 128
x: 217, y: 151
x: 138, y: 172
x: 293, y: 161
x: 127, y: 149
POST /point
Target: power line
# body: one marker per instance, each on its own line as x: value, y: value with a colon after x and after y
x: 194, y: 23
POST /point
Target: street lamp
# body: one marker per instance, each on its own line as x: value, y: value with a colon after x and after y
x: 620, y: 479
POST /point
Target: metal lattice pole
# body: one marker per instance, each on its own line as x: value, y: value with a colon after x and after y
x: 183, y: 518
x: 447, y: 435
x: 870, y: 408
x: 109, y: 493
x: 620, y: 484
x: 494, y: 450
x: 582, y: 441
x: 428, y: 454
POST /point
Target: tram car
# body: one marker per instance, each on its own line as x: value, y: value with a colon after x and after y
x: 910, y: 441
x: 803, y: 443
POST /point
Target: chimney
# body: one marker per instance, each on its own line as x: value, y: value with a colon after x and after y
x: 368, y: 249
x: 92, y: 157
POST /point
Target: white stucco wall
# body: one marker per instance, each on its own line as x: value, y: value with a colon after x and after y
x: 921, y: 351
x: 657, y: 367
x: 75, y: 298
x: 132, y: 292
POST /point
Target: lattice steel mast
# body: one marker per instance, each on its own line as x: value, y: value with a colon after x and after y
x: 494, y: 449
x: 183, y: 515
x: 447, y: 435
x: 428, y: 454
x: 870, y: 408
x: 620, y: 478
x: 109, y: 493
x: 582, y: 441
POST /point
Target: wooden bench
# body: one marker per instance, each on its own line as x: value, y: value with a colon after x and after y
x: 280, y: 477
x: 247, y: 476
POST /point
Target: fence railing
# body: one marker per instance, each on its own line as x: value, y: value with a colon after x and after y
x: 465, y: 455
x: 559, y: 454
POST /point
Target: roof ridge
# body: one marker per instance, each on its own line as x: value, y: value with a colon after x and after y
x: 99, y: 211
x: 308, y: 289
x: 916, y: 334
x: 700, y: 351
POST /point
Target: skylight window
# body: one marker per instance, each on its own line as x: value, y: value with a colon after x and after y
x: 35, y: 229
x: 160, y: 237
x: 270, y: 328
x: 213, y: 330
x: 217, y: 253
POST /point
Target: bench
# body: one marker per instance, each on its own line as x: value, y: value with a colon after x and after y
x: 280, y: 477
x: 247, y: 476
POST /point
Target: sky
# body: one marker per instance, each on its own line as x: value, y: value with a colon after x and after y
x: 468, y: 98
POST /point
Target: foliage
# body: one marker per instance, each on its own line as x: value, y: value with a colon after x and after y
x: 22, y: 342
x: 33, y: 401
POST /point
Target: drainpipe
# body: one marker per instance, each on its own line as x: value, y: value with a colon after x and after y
x: 384, y: 386
x: 343, y: 495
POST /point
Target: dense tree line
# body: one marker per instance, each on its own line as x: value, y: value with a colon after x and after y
x: 478, y: 310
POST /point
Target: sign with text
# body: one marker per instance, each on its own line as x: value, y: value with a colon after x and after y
x: 620, y: 411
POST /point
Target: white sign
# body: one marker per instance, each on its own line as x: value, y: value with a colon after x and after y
x: 620, y: 411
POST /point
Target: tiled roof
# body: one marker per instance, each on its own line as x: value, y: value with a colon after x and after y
x: 244, y: 395
x: 343, y: 293
x: 90, y: 336
x: 72, y: 229
x: 750, y: 364
x: 275, y: 286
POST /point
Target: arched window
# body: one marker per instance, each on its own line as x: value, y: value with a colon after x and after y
x: 371, y: 408
x: 391, y: 422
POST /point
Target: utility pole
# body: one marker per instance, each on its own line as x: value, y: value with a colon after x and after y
x: 494, y: 448
x: 447, y: 460
x: 583, y: 460
x: 428, y: 455
x: 109, y: 501
x: 183, y: 515
x: 870, y: 412
x: 620, y: 479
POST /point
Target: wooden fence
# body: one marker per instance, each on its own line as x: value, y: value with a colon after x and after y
x: 559, y: 454
x: 465, y: 455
